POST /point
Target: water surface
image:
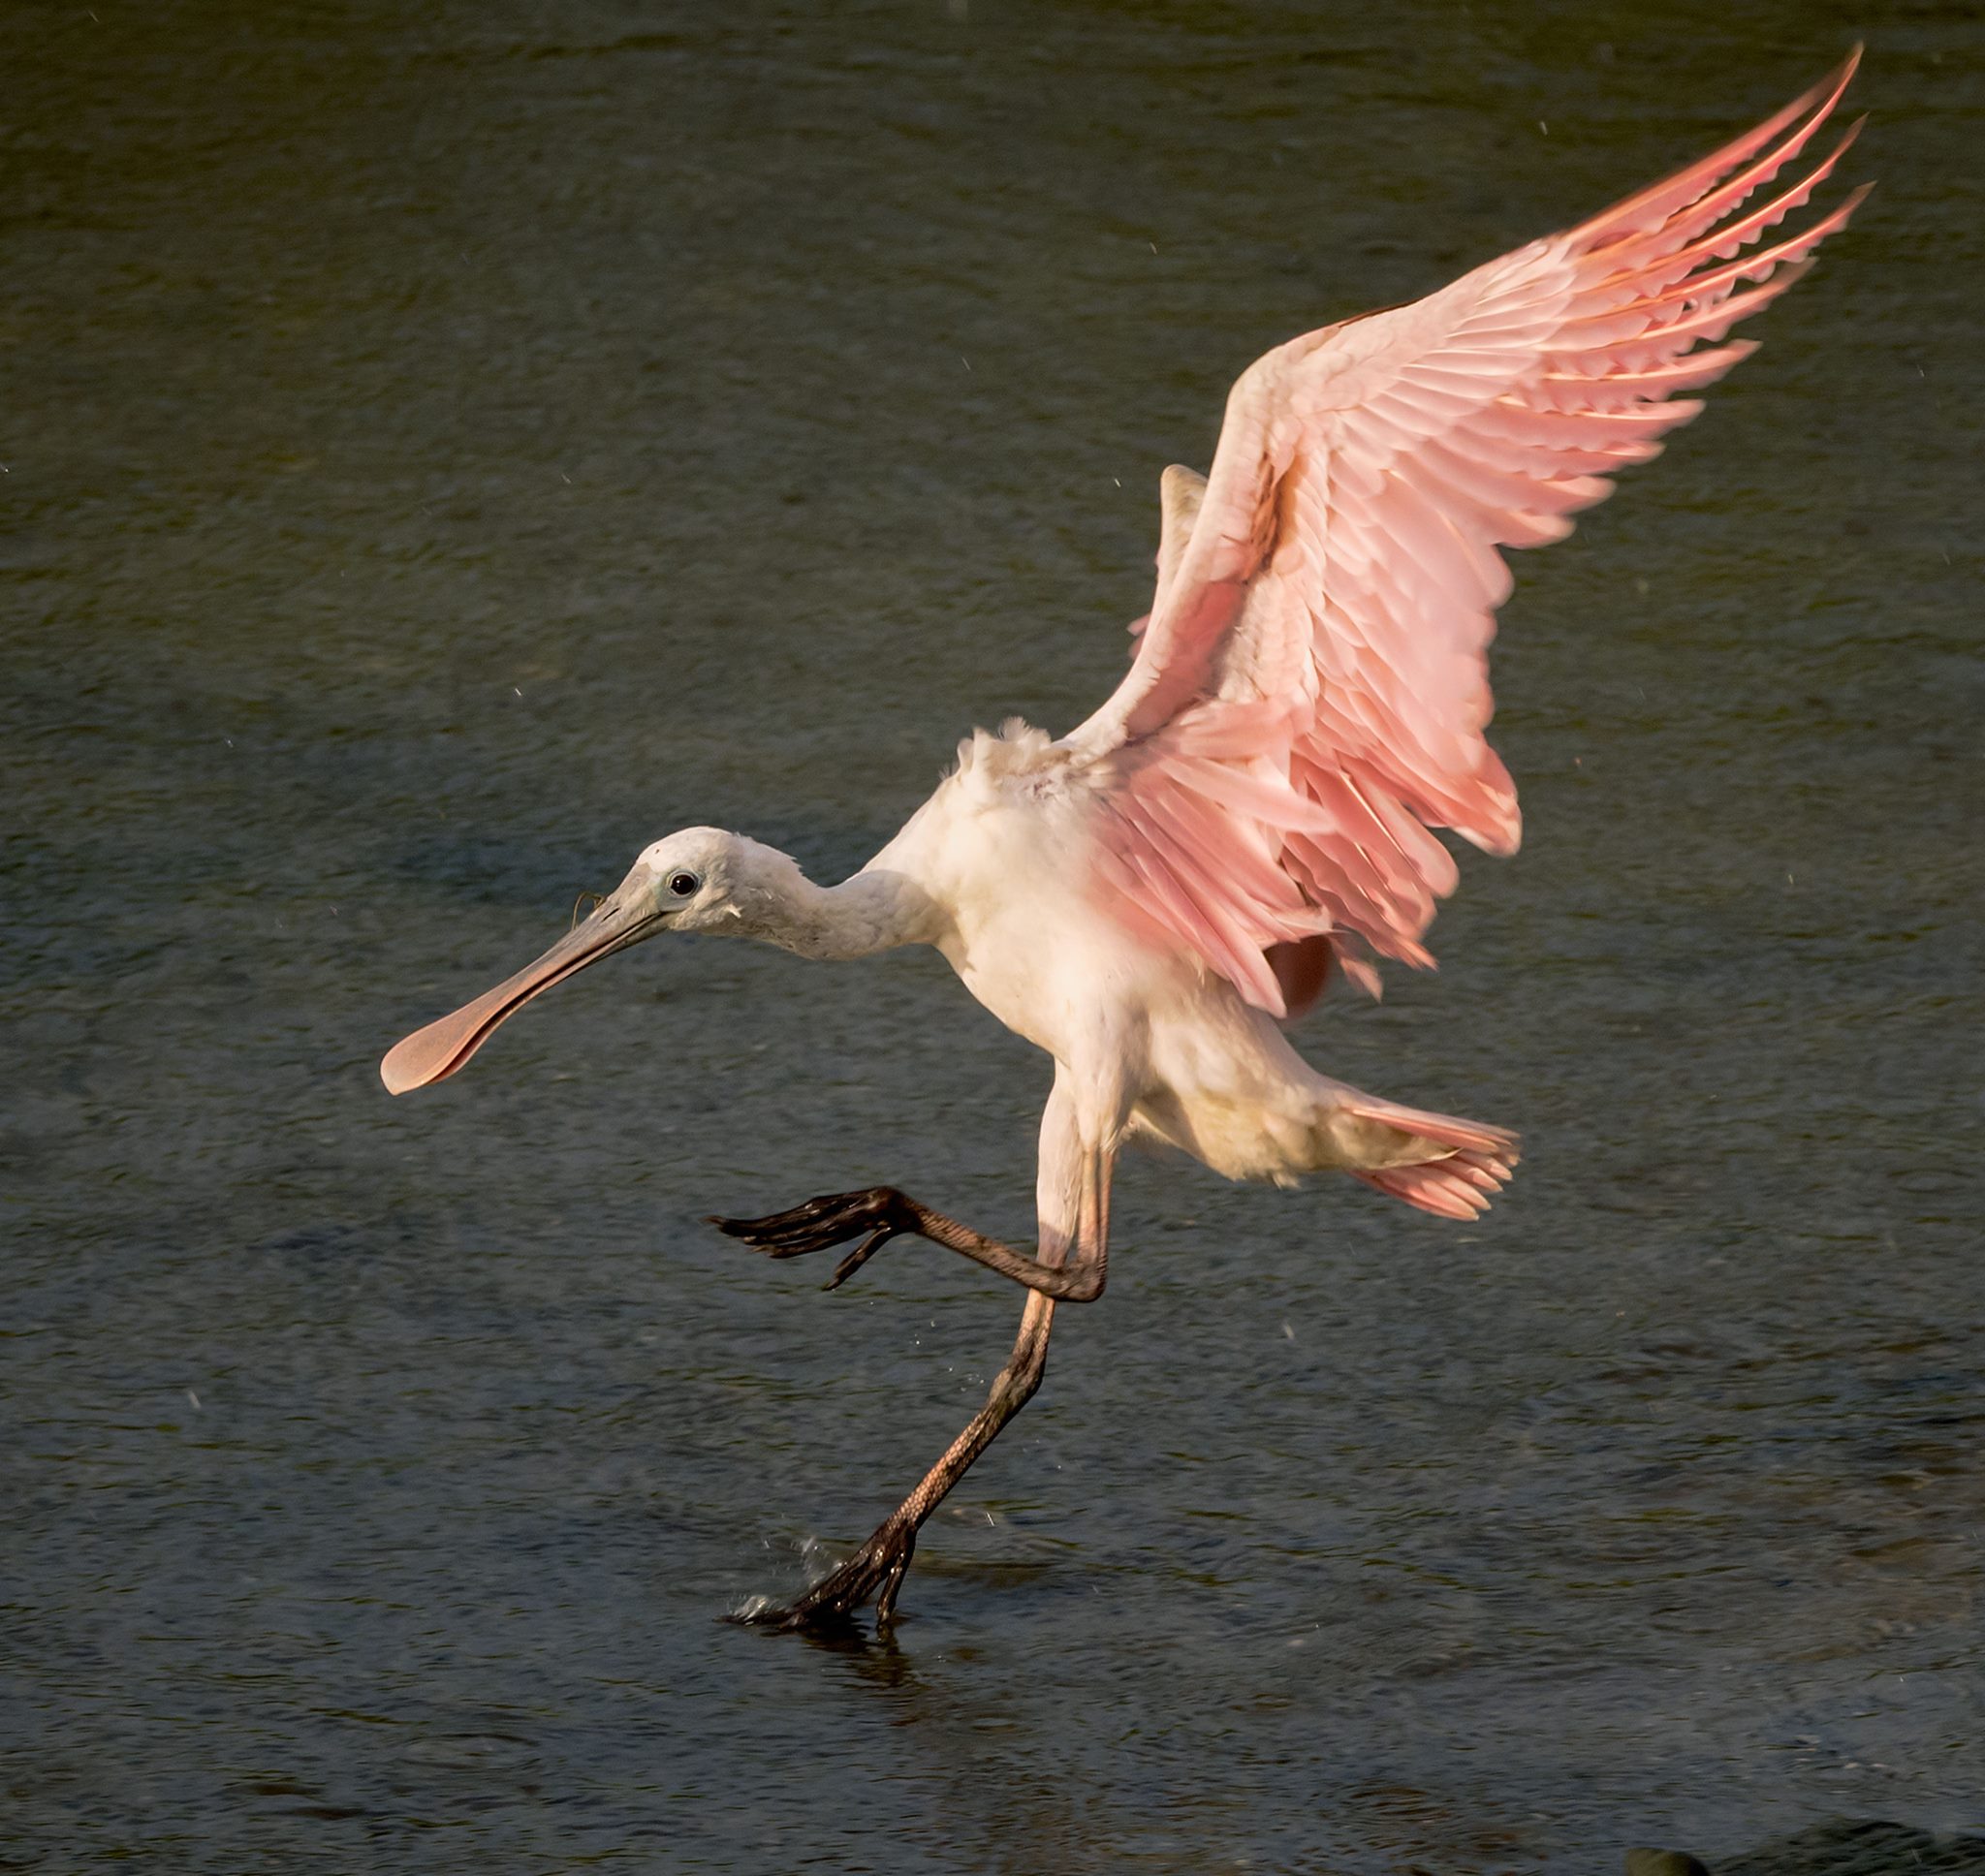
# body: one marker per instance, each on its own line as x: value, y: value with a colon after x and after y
x: 449, y: 446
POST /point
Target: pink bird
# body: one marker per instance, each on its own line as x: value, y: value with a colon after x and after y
x: 1153, y: 897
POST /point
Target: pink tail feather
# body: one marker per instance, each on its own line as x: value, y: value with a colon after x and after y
x: 1457, y: 1182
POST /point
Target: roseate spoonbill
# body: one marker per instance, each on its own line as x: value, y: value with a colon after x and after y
x: 1151, y: 897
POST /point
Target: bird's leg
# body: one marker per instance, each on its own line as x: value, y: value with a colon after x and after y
x: 880, y: 1212
x: 1073, y: 1196
x: 877, y: 1571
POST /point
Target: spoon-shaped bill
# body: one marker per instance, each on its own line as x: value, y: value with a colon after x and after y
x: 434, y: 1054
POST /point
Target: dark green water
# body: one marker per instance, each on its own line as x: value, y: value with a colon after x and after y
x: 447, y: 447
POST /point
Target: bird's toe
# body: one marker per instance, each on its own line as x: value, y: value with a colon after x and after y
x: 831, y: 1219
x: 873, y: 1573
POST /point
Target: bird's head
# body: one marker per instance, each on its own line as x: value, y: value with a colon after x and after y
x: 700, y: 879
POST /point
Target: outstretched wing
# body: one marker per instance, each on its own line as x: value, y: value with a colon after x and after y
x: 1311, y: 692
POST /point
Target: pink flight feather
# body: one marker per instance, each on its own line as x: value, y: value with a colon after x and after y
x: 1311, y: 692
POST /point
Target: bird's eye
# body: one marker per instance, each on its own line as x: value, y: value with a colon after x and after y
x: 682, y: 884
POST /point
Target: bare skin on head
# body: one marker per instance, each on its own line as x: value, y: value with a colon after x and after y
x: 1152, y: 898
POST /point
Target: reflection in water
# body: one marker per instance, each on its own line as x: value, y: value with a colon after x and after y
x: 876, y: 1660
x: 450, y: 449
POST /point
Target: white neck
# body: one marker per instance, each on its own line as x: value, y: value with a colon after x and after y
x: 875, y: 911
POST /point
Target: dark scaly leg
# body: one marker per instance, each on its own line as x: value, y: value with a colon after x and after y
x: 877, y: 1569
x: 1074, y: 1203
x: 880, y: 1212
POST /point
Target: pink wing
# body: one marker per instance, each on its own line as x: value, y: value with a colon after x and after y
x: 1310, y: 692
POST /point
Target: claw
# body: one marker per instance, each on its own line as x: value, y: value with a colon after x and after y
x: 875, y: 1571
